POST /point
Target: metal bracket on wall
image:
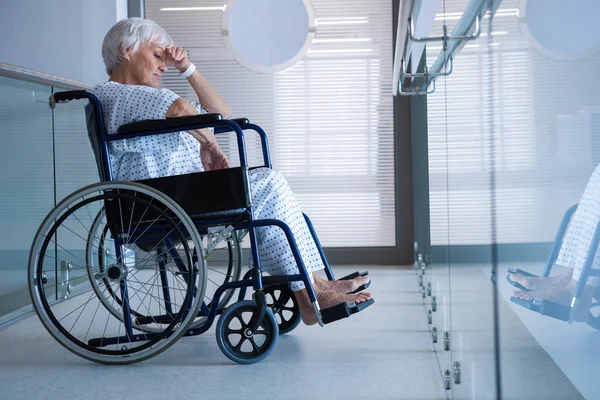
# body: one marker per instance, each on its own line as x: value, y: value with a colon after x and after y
x: 423, y: 83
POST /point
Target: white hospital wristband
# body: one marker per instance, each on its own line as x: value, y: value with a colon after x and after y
x: 186, y: 74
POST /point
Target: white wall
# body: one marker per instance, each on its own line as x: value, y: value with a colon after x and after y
x: 58, y: 37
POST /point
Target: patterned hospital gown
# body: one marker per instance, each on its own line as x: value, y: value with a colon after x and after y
x: 578, y: 237
x: 179, y: 153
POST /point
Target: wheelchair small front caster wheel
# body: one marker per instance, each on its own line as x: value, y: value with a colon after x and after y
x: 237, y: 341
x: 282, y: 303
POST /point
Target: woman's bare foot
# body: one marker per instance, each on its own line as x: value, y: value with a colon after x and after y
x: 562, y: 294
x: 325, y: 299
x: 339, y: 286
x: 542, y: 283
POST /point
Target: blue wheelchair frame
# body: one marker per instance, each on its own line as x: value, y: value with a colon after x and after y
x: 240, y: 220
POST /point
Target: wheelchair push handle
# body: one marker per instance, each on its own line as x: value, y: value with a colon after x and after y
x: 70, y: 95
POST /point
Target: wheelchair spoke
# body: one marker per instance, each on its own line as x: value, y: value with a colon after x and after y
x: 77, y: 307
x: 254, y: 346
x: 146, y: 257
x: 142, y: 218
x: 158, y: 298
x: 161, y: 286
x: 62, y: 248
x: 92, y: 321
x: 152, y: 295
x: 146, y: 230
x: 82, y: 310
x: 83, y: 226
x: 220, y: 272
x: 239, y: 345
x: 215, y: 283
x: 130, y: 219
x: 242, y: 322
x: 122, y: 225
x: 63, y: 282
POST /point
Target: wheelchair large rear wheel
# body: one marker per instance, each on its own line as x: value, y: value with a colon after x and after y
x: 223, y: 265
x: 153, y: 300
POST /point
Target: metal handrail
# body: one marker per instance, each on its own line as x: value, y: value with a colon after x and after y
x: 470, y: 21
x: 29, y: 75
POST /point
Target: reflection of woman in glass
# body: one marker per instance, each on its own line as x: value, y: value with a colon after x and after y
x: 573, y: 252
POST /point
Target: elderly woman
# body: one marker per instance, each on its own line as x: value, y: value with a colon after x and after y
x: 136, y: 53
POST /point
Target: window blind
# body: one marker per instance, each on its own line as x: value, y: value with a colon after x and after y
x: 544, y: 117
x: 329, y: 118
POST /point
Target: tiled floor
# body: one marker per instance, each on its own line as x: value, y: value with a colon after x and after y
x: 575, y: 348
x: 382, y: 353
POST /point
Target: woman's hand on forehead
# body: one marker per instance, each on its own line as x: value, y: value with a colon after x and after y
x: 177, y: 57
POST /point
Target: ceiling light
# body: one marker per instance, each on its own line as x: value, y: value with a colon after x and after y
x: 341, y: 40
x: 340, y: 51
x: 341, y: 21
x: 219, y: 8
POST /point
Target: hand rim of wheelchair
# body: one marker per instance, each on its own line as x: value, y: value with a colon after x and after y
x: 153, y: 347
x: 234, y: 270
x: 270, y: 330
x: 274, y: 303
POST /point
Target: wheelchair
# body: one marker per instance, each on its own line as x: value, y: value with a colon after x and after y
x: 119, y: 271
x: 557, y: 310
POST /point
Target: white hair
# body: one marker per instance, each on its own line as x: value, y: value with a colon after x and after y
x: 131, y: 34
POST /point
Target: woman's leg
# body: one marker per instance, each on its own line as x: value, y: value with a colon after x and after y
x: 345, y: 286
x: 541, y: 283
x: 325, y: 299
x: 272, y: 198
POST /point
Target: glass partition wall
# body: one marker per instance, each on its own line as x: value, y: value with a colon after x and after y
x: 511, y: 142
x: 45, y: 154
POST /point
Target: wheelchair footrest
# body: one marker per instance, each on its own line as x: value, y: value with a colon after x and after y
x: 545, y: 307
x: 519, y: 272
x: 343, y: 310
x: 355, y: 275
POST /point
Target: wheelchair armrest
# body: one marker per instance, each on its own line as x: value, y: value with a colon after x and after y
x: 178, y: 124
x: 170, y: 124
x: 244, y: 123
x: 241, y: 121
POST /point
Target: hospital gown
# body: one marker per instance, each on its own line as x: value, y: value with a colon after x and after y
x: 578, y: 237
x: 179, y: 153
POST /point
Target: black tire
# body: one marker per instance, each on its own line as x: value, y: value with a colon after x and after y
x: 233, y: 340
